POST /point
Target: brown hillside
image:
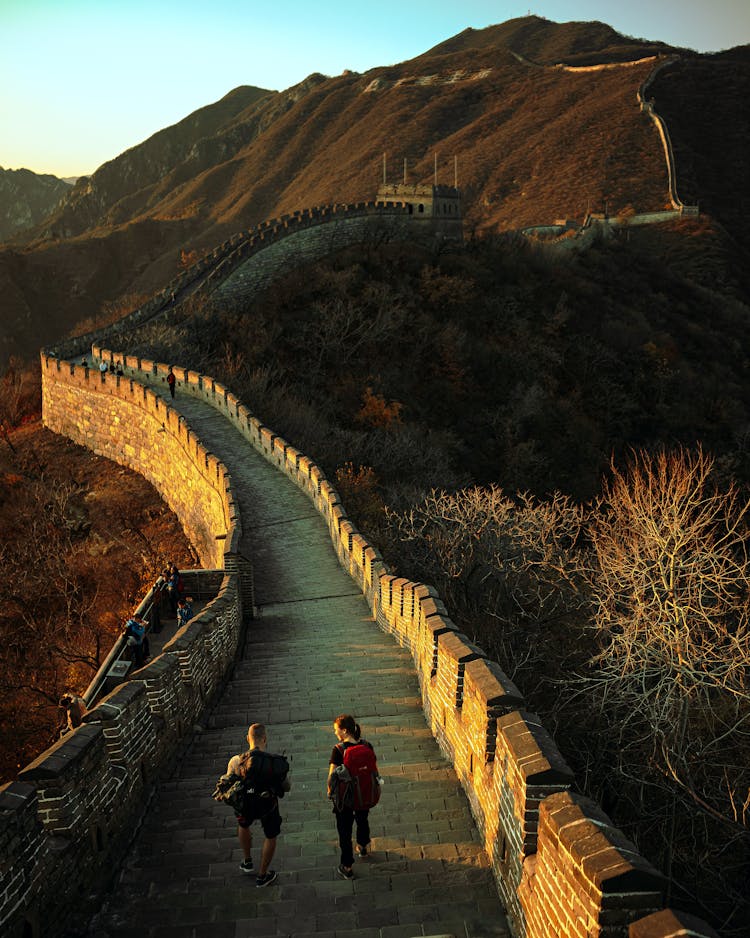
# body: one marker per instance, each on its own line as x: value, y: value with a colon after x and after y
x: 83, y: 540
x: 533, y: 143
x: 548, y: 43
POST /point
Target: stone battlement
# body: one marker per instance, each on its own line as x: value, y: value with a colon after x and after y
x: 249, y: 261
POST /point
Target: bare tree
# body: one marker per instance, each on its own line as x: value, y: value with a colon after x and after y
x: 514, y: 562
x: 672, y: 600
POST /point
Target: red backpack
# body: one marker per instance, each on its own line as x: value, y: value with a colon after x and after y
x: 357, y: 786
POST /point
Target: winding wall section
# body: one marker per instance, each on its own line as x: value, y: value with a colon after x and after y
x: 561, y: 867
x: 249, y: 261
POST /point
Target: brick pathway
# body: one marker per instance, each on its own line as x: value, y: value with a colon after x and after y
x: 312, y: 653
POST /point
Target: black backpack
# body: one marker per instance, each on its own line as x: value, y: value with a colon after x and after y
x: 262, y: 779
x: 264, y: 773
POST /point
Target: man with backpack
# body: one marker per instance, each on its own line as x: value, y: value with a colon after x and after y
x: 258, y: 779
x: 353, y: 788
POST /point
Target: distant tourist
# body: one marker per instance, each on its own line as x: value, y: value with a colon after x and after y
x: 111, y: 368
x: 119, y: 371
x: 85, y: 363
x: 135, y: 631
x: 184, y: 611
x: 75, y: 709
x: 171, y: 381
x: 174, y: 587
x: 103, y: 367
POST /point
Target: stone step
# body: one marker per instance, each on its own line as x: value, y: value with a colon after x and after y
x: 312, y: 653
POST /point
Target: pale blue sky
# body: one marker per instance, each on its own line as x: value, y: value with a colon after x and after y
x: 83, y: 80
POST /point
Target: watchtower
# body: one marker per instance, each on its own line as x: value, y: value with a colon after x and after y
x: 437, y: 206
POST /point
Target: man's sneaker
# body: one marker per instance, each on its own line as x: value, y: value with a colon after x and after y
x: 247, y: 866
x: 362, y: 851
x: 344, y: 873
x: 266, y: 879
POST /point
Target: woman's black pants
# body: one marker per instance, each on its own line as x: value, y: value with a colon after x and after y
x: 344, y: 824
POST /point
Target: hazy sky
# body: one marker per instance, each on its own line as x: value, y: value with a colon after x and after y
x: 83, y: 80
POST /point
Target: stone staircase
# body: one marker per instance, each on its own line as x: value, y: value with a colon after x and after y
x: 312, y: 652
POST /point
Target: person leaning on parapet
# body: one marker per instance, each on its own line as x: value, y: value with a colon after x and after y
x: 75, y: 708
x: 261, y: 802
x: 184, y: 611
x: 171, y: 380
x: 135, y: 632
x: 171, y: 577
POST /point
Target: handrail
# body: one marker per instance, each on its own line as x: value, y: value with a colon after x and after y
x: 143, y: 610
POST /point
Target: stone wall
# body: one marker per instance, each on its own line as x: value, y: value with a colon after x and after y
x: 561, y: 867
x: 68, y: 820
x: 647, y: 105
x: 121, y: 419
x: 300, y: 241
x: 267, y: 251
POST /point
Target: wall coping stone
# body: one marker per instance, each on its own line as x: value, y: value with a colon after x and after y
x: 669, y: 923
x: 16, y: 795
x: 116, y: 702
x: 67, y: 751
x: 493, y: 684
x: 458, y: 646
x: 607, y: 858
x: 538, y: 758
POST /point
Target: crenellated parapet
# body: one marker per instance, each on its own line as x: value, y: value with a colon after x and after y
x: 68, y: 821
x: 70, y: 817
x: 248, y: 261
x: 127, y: 422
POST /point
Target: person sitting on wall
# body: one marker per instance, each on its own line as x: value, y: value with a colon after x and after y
x: 75, y: 709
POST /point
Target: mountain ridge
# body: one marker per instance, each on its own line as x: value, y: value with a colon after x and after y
x: 534, y: 142
x: 26, y: 198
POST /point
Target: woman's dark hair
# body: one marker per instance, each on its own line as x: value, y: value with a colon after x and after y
x: 346, y: 722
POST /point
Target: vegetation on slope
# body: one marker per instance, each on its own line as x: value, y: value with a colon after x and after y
x: 82, y: 541
x: 533, y: 143
x: 414, y: 377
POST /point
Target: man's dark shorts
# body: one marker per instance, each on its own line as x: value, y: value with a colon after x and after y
x: 270, y: 821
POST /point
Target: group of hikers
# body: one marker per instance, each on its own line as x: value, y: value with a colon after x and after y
x: 135, y: 632
x: 180, y: 607
x: 255, y: 781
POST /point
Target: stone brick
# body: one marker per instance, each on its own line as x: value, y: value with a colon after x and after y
x: 670, y: 924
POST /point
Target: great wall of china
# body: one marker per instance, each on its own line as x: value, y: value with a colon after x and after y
x: 560, y: 866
